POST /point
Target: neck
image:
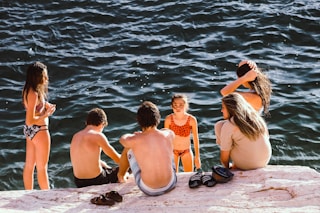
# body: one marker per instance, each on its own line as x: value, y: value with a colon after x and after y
x: 146, y: 129
x: 180, y: 114
x: 96, y: 128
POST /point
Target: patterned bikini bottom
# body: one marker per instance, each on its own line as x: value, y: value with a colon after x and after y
x: 31, y: 131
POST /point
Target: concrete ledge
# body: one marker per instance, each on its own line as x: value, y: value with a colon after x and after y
x: 271, y: 189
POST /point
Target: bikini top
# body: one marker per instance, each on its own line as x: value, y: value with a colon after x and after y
x: 40, y: 107
x: 183, y: 131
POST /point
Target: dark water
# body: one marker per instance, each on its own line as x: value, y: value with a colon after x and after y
x: 115, y: 54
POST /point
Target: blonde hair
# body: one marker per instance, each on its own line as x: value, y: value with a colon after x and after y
x: 242, y: 114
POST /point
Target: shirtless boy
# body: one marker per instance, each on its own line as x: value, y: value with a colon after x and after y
x: 85, y: 153
x: 149, y: 153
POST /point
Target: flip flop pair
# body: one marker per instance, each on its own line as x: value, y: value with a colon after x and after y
x: 108, y: 199
x: 199, y: 179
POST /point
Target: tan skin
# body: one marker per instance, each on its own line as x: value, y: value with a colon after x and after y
x: 153, y: 151
x: 180, y: 117
x: 225, y: 155
x: 250, y: 96
x: 85, y: 152
x: 37, y: 149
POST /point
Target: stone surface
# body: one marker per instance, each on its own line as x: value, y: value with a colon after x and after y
x: 271, y: 189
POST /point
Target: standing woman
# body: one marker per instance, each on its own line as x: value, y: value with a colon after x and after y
x: 243, y: 136
x: 251, y: 77
x: 38, y: 110
x: 183, y: 124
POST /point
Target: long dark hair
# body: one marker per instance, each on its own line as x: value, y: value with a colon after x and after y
x: 34, y: 81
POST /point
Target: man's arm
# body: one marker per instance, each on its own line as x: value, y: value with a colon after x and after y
x: 123, y: 166
x: 108, y: 149
x: 127, y: 140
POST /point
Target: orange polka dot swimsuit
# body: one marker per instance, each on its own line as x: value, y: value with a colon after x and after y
x: 183, y: 131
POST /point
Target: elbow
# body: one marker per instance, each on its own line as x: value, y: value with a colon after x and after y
x: 223, y: 92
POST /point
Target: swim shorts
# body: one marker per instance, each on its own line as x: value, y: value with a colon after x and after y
x: 144, y: 188
x: 106, y: 176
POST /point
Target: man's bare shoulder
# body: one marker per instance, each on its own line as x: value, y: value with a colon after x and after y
x: 85, y: 135
x: 86, y: 132
x: 167, y: 132
x: 128, y: 140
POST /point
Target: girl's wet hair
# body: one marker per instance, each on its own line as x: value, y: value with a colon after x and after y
x: 243, y: 70
x: 261, y: 85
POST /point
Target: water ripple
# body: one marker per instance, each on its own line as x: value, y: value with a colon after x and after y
x: 116, y: 54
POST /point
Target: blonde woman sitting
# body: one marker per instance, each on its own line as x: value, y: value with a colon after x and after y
x: 243, y: 136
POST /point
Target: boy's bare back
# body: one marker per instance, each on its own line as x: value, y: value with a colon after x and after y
x: 153, y: 151
x: 85, y: 153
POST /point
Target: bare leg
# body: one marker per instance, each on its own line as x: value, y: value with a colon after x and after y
x: 42, y: 143
x: 187, y: 162
x: 29, y: 166
x: 176, y: 162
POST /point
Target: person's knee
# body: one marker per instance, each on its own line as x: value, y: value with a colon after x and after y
x: 42, y: 167
x: 30, y: 163
x: 29, y: 167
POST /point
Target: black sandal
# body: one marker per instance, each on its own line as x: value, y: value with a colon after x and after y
x: 102, y: 200
x: 114, y: 195
x: 208, y: 180
x: 195, y: 180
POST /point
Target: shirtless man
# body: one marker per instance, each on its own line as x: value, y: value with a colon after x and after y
x: 149, y: 154
x: 85, y: 153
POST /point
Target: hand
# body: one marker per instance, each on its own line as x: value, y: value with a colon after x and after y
x: 197, y: 162
x: 232, y: 166
x: 123, y: 178
x: 252, y: 64
x: 250, y: 75
x: 51, y: 108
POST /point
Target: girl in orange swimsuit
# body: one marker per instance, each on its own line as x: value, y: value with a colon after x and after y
x: 36, y: 130
x: 183, y: 124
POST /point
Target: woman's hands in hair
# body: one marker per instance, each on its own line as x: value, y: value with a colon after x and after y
x: 252, y: 74
x: 252, y: 64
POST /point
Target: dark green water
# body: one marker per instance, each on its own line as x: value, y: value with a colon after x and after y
x: 115, y: 54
